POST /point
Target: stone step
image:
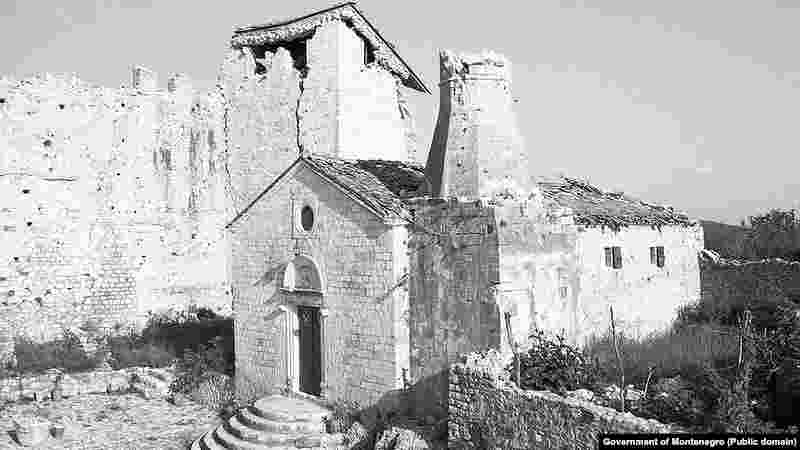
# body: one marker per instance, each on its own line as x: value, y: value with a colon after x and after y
x: 231, y: 442
x: 208, y: 442
x: 227, y: 439
x: 256, y: 422
x: 245, y: 433
x: 284, y: 409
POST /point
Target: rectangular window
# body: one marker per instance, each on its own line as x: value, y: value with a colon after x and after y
x: 657, y: 256
x: 613, y: 256
x: 563, y: 291
x: 369, y: 54
x: 617, y: 252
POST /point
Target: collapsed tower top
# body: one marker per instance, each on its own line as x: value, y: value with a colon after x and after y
x: 288, y: 30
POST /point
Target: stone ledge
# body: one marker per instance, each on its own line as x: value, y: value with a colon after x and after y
x: 150, y: 382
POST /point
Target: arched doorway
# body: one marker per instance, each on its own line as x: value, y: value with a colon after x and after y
x: 303, y: 289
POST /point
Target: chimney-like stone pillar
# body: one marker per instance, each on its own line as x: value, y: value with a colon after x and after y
x: 477, y: 150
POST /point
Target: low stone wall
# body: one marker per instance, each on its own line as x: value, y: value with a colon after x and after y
x: 487, y: 411
x: 147, y: 381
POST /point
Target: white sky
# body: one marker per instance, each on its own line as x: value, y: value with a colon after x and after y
x: 685, y: 102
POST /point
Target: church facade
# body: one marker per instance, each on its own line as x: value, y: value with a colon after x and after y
x: 355, y: 269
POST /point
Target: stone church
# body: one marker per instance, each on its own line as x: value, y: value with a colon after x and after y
x: 356, y: 269
x: 295, y: 191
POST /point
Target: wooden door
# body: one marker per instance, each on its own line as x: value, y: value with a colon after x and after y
x: 310, y: 351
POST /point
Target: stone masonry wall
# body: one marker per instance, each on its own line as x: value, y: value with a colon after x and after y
x: 477, y: 149
x: 361, y: 283
x: 487, y: 411
x: 105, y: 192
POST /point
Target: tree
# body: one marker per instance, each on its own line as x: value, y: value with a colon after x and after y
x: 775, y: 234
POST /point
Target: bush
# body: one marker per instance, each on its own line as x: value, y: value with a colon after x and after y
x: 181, y: 332
x: 127, y: 352
x: 194, y: 365
x: 554, y: 365
x: 675, y: 352
x: 66, y: 353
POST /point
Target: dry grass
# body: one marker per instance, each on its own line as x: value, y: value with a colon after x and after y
x: 669, y: 354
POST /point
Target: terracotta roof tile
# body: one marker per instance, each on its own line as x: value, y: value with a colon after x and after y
x: 593, y: 206
x: 379, y: 184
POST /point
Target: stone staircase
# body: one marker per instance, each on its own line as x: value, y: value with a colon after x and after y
x: 274, y: 422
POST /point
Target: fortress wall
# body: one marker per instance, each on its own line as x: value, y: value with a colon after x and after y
x: 104, y: 195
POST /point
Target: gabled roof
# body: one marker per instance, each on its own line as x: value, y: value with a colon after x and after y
x: 290, y: 29
x: 378, y: 185
x: 593, y: 206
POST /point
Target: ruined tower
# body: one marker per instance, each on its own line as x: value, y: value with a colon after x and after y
x: 324, y: 84
x: 477, y: 150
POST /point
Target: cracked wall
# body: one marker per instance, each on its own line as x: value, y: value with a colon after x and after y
x: 356, y: 254
x: 111, y: 202
x: 318, y: 102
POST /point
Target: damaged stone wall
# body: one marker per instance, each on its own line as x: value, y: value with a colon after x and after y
x: 729, y: 282
x: 471, y: 264
x: 485, y: 410
x: 477, y: 149
x: 260, y: 121
x: 312, y: 93
x: 453, y: 273
x: 362, y: 290
x: 107, y: 196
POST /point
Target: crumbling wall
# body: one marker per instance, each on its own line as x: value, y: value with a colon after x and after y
x: 453, y: 269
x: 96, y: 191
x: 474, y: 263
x: 477, y: 149
x: 348, y: 108
x: 260, y: 121
x: 485, y: 410
x: 726, y: 282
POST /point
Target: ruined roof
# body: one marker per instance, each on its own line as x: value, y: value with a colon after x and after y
x: 402, y: 178
x: 378, y: 184
x: 593, y: 206
x: 289, y: 29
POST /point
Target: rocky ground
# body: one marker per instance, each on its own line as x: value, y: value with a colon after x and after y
x: 113, y: 421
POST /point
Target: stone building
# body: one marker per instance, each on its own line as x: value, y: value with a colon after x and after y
x: 293, y: 192
x: 355, y: 269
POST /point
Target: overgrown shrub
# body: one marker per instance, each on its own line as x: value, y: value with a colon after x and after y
x: 66, y: 353
x: 128, y: 351
x: 182, y: 331
x: 680, y: 351
x: 193, y: 365
x: 343, y: 415
x: 552, y: 364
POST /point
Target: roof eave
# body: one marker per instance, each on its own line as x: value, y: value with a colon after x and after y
x: 412, y: 80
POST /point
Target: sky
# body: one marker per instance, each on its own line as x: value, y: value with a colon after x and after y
x: 693, y: 104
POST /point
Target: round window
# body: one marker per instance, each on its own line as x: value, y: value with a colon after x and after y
x: 307, y: 218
